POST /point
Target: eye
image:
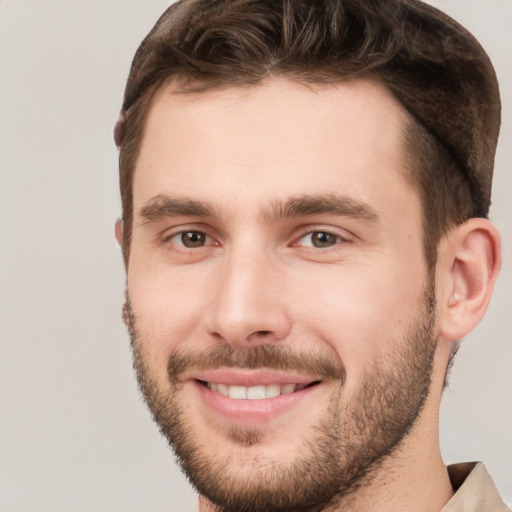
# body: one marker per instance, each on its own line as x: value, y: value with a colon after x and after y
x: 319, y: 239
x: 190, y: 239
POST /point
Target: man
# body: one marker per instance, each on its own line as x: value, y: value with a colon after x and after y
x: 305, y: 188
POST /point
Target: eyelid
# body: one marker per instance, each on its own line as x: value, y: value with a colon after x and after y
x: 342, y: 234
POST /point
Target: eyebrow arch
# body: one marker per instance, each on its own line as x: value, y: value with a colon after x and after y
x: 163, y: 206
x: 331, y: 204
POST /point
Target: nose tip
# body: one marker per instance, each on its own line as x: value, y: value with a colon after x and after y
x: 248, y: 309
x: 254, y: 326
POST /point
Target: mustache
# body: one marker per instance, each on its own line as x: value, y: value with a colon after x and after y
x: 268, y: 357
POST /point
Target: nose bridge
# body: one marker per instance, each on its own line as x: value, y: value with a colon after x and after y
x: 248, y: 307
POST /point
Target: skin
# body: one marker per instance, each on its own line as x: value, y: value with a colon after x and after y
x: 259, y: 279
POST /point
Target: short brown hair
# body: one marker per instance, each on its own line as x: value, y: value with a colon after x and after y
x: 434, y: 67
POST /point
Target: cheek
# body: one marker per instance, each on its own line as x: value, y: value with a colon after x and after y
x: 360, y: 312
x: 167, y: 304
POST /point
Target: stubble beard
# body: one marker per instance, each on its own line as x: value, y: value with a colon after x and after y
x: 345, y: 448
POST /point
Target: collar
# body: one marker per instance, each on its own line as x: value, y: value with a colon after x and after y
x: 474, y: 490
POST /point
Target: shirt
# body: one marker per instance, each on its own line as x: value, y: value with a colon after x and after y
x: 474, y: 490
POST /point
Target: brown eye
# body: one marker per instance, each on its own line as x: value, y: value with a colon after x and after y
x: 320, y: 239
x: 192, y: 239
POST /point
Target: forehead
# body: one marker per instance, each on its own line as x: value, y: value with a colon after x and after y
x: 243, y: 145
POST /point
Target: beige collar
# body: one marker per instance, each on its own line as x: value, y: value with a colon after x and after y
x: 474, y: 490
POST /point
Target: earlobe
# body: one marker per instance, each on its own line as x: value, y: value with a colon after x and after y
x: 118, y: 230
x: 470, y: 259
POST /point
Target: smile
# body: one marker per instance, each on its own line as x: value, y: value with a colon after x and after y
x: 252, y: 397
x: 259, y: 392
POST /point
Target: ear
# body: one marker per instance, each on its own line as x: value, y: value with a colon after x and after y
x: 118, y: 230
x: 469, y: 261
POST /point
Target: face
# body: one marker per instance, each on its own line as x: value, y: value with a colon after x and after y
x: 278, y: 301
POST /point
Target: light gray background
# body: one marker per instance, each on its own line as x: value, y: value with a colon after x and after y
x: 74, y: 435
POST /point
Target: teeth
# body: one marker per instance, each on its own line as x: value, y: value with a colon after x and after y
x: 288, y: 388
x: 238, y: 392
x: 272, y: 391
x: 254, y: 392
x: 223, y: 389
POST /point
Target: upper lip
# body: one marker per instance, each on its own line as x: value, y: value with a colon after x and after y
x: 248, y: 378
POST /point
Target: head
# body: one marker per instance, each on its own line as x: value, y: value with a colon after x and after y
x: 360, y: 227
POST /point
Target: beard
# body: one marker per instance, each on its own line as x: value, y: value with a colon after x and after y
x: 343, y: 450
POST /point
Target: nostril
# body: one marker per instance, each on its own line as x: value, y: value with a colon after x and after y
x: 262, y: 333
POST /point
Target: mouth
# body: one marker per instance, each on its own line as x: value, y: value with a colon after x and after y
x: 253, y: 397
x: 257, y: 392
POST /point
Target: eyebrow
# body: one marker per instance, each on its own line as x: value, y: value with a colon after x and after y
x: 330, y: 204
x: 163, y: 206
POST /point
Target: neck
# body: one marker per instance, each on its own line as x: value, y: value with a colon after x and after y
x: 413, y: 479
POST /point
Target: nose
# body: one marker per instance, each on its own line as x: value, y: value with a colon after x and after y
x: 248, y: 306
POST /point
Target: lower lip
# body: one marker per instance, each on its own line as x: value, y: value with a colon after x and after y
x: 253, y: 412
